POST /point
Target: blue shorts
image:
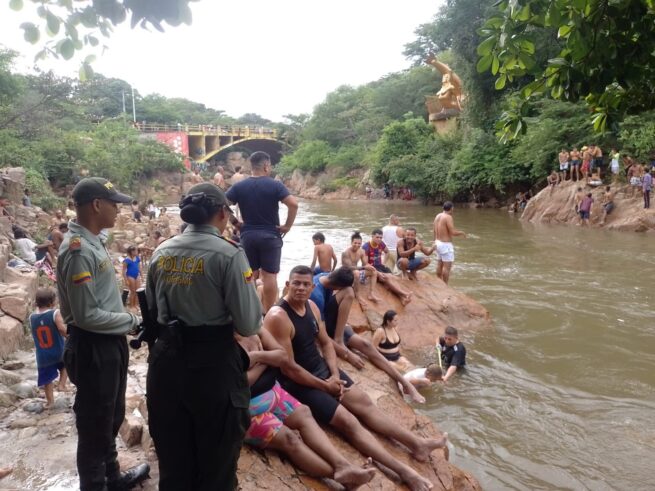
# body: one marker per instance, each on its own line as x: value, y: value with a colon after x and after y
x: 318, y: 270
x: 49, y: 374
x: 413, y: 263
x: 584, y: 215
x: 263, y: 249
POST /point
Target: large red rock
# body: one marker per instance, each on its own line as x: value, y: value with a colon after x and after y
x: 558, y: 207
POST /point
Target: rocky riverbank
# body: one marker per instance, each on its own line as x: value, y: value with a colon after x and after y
x: 40, y: 443
x: 558, y: 207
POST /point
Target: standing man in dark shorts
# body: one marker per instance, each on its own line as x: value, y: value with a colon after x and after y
x: 258, y: 198
x: 96, y: 353
x: 316, y: 381
x: 201, y: 291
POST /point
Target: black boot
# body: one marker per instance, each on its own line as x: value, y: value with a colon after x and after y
x: 130, y: 478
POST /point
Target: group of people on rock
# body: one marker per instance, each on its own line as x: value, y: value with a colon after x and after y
x: 197, y: 376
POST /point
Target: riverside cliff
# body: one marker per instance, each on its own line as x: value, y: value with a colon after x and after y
x: 557, y: 206
x: 40, y: 443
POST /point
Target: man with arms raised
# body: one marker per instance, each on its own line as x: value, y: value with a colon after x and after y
x: 258, y: 198
x: 444, y: 231
x: 407, y: 248
x: 333, y: 295
x: 329, y: 392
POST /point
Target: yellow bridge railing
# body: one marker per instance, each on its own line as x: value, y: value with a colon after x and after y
x: 243, y: 131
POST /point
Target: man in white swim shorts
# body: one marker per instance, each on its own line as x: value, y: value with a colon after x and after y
x: 444, y: 231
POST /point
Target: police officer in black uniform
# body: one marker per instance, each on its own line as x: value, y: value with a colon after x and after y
x: 201, y: 290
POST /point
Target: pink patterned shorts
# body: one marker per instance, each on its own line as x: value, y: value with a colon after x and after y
x: 267, y: 414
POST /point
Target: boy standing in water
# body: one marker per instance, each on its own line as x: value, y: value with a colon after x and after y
x: 323, y: 254
x: 48, y: 331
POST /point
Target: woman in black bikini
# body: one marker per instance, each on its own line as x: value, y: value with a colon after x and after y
x: 387, y: 340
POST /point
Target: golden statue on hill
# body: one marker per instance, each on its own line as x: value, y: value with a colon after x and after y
x: 447, y: 103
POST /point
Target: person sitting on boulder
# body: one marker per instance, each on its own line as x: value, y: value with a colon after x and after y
x: 48, y: 331
x: 315, y: 379
x: 452, y: 352
x: 333, y: 294
x: 387, y: 340
x: 408, y: 246
x: 323, y: 255
x: 275, y: 414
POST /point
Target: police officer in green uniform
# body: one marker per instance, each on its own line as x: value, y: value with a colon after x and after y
x: 201, y: 291
x: 96, y: 350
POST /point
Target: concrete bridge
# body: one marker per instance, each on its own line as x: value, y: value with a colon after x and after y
x: 204, y: 143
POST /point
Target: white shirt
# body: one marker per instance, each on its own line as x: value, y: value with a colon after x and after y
x: 415, y: 374
x: 25, y: 248
x: 390, y: 237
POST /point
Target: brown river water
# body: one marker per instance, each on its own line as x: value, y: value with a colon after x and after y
x: 560, y: 394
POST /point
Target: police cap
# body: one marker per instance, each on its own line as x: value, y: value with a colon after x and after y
x: 91, y: 188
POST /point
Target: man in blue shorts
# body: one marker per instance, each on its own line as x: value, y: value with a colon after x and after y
x: 258, y: 198
x: 315, y: 380
x: 407, y: 248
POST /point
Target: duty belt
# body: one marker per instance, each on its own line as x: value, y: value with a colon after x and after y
x: 197, y: 334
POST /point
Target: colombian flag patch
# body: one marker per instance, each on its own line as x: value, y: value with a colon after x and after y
x: 82, y: 277
x: 247, y: 275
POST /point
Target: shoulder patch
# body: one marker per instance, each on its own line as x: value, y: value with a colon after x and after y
x: 81, y: 278
x: 75, y: 243
x: 247, y: 275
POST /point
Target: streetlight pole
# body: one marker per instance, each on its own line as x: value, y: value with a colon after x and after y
x: 133, y: 106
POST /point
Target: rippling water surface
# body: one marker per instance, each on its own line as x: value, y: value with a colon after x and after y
x: 560, y: 394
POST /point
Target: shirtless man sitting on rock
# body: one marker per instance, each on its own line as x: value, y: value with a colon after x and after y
x: 444, y: 231
x: 373, y: 251
x: 333, y: 295
x: 316, y: 381
x: 352, y: 258
x: 408, y: 246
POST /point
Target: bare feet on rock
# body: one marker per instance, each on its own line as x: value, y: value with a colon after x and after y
x: 5, y: 471
x: 352, y: 477
x: 416, y: 482
x: 414, y: 394
x: 406, y: 299
x: 373, y: 297
x: 427, y: 445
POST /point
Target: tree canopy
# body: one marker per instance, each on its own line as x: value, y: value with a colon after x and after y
x: 605, y: 56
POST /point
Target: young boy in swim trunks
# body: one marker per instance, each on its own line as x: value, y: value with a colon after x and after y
x: 323, y: 254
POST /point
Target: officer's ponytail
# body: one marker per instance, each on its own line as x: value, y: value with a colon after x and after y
x: 198, y: 208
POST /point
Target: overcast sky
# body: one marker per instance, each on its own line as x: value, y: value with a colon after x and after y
x: 270, y: 58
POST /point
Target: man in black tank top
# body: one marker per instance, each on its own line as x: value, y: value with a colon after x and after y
x: 316, y: 381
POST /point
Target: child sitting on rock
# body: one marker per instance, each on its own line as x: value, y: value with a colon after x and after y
x: 48, y: 331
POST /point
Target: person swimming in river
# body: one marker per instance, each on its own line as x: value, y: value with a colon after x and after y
x: 323, y: 254
x: 387, y: 340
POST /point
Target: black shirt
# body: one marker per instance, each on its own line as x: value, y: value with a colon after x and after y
x: 452, y: 355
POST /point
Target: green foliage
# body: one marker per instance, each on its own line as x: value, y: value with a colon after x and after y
x: 638, y: 136
x: 115, y: 151
x: 156, y: 108
x: 605, y: 55
x: 311, y: 156
x: 41, y: 191
x: 402, y: 138
x: 347, y: 158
